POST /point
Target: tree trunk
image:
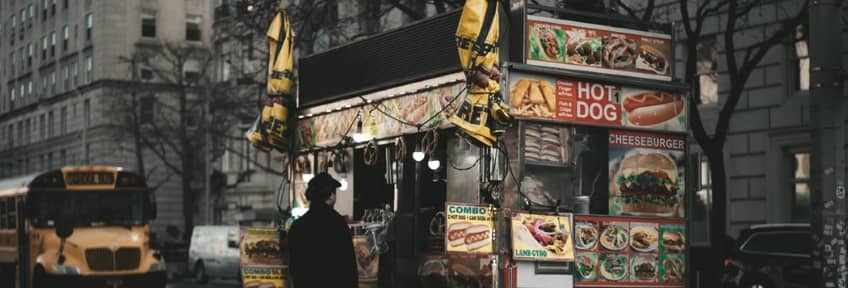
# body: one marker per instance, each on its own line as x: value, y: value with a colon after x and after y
x: 718, y: 213
x: 186, y: 158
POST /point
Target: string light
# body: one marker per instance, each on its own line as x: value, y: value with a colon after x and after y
x: 434, y: 164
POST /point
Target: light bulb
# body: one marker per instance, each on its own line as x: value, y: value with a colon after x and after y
x: 343, y: 187
x: 434, y: 164
x: 418, y: 156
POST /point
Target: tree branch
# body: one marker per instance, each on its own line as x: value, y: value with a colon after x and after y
x: 406, y: 10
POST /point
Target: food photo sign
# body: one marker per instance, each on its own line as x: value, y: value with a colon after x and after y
x: 597, y: 48
x: 367, y: 262
x: 469, y: 228
x: 261, y: 258
x: 542, y: 237
x: 585, y: 102
x: 629, y: 252
x: 647, y: 174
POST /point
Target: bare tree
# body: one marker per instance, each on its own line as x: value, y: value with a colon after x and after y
x: 740, y: 62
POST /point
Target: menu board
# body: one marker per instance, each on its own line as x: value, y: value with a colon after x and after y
x: 629, y: 252
x: 328, y: 129
x: 469, y: 228
x: 367, y: 262
x: 261, y: 258
x: 542, y: 237
x: 647, y: 174
x: 585, y: 102
x: 597, y: 48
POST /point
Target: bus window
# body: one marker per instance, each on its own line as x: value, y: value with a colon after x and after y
x: 87, y: 208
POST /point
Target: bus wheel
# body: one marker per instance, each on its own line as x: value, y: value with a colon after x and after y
x: 200, y: 273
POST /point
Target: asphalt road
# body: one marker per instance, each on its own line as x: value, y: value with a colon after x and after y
x: 187, y: 283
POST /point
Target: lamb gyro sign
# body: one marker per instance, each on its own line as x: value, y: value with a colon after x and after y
x: 597, y: 48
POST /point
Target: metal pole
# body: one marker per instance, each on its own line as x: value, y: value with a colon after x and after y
x: 828, y: 156
x: 207, y: 156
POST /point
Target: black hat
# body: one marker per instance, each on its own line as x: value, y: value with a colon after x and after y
x: 321, y: 186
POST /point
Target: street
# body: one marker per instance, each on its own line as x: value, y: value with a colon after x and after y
x: 189, y: 283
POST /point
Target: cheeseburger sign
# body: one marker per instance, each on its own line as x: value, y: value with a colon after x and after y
x: 593, y: 103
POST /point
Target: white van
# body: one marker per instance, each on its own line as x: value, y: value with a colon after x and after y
x: 214, y: 252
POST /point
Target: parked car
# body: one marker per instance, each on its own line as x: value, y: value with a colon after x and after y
x: 772, y: 255
x: 214, y: 252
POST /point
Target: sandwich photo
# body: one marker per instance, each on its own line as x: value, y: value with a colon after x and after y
x: 613, y: 267
x: 477, y: 236
x: 643, y: 238
x: 651, y: 108
x: 583, y: 50
x: 651, y: 59
x: 547, y: 44
x: 614, y: 237
x: 619, y: 52
x: 673, y: 270
x: 366, y: 260
x: 648, y: 184
x: 536, y: 98
x: 586, y: 265
x: 586, y: 236
x: 263, y: 251
x: 456, y: 233
x: 673, y: 242
x: 643, y: 268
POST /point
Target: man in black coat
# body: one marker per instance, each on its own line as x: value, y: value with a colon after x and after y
x: 320, y: 242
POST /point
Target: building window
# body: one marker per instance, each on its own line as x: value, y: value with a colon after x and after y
x: 52, y: 43
x: 88, y: 67
x: 708, y: 71
x: 802, y: 81
x: 42, y: 127
x: 12, y: 93
x: 147, y: 109
x: 702, y: 203
x: 53, y: 8
x: 87, y: 108
x: 23, y: 19
x: 800, y: 186
x: 30, y: 52
x: 44, y: 90
x: 63, y: 121
x: 89, y: 26
x: 12, y: 56
x: 146, y: 74
x: 66, y: 34
x: 62, y: 154
x: 29, y: 87
x: 52, y: 83
x: 66, y: 78
x: 65, y: 4
x: 75, y: 72
x: 44, y: 47
x: 51, y: 131
x: 193, y: 32
x: 148, y: 25
x: 31, y: 14
x: 49, y: 160
x: 44, y: 5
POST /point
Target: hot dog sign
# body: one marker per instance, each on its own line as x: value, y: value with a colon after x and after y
x: 469, y: 228
x: 592, y: 103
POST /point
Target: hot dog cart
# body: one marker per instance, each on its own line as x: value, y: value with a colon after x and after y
x: 585, y: 188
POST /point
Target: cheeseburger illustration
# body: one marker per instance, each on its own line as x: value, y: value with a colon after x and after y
x: 648, y: 184
x: 651, y: 108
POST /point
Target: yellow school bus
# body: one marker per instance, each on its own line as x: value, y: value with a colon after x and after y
x: 85, y: 226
